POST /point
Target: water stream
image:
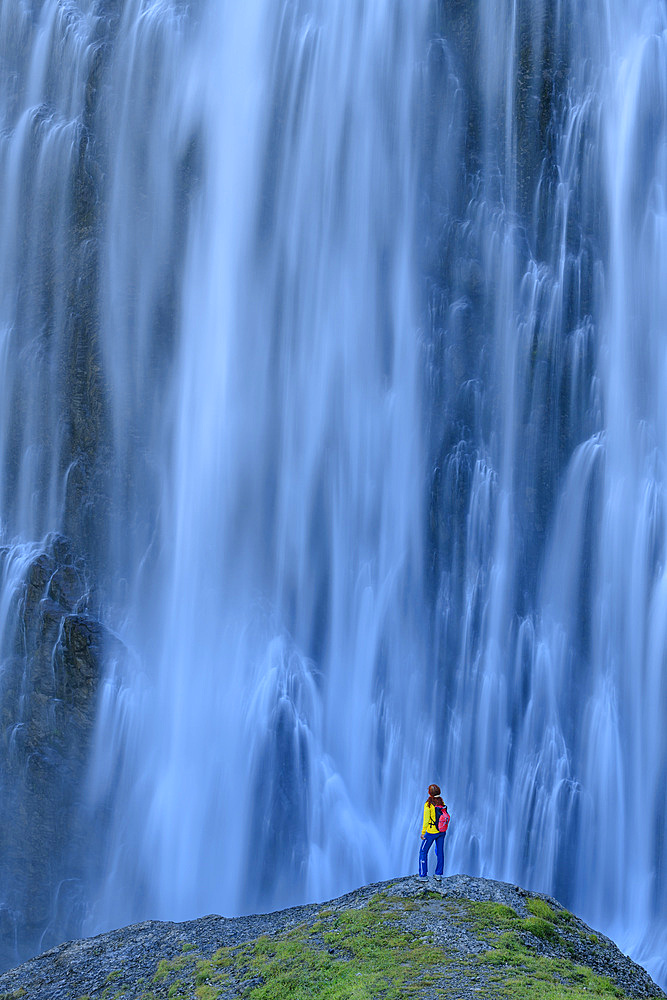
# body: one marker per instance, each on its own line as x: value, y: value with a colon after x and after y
x: 332, y: 337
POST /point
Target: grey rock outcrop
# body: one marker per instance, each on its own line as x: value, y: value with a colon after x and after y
x: 153, y: 958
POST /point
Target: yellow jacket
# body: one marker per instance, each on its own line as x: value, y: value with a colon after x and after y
x: 428, y: 826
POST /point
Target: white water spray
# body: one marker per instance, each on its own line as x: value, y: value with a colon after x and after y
x: 279, y: 607
x: 335, y: 341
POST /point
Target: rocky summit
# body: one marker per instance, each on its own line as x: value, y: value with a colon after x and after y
x: 462, y: 938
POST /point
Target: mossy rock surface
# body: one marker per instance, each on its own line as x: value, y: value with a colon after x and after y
x: 462, y: 938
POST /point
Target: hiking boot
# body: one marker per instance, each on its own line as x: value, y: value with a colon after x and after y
x: 438, y: 878
x: 423, y: 878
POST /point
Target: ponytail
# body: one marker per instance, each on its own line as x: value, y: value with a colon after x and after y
x: 434, y: 796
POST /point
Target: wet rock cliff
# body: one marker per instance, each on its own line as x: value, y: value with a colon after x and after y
x: 48, y: 697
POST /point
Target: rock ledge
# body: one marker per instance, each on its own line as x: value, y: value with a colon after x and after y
x: 123, y: 963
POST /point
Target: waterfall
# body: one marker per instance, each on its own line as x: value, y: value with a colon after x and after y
x: 331, y: 452
x: 551, y: 615
x: 263, y: 200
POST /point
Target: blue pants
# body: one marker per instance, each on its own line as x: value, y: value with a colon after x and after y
x: 439, y: 840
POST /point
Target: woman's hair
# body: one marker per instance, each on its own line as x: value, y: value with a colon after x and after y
x: 434, y: 796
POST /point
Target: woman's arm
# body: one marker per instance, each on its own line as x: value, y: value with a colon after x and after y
x: 427, y: 819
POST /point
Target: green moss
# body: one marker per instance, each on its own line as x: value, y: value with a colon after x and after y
x: 540, y: 928
x: 162, y: 971
x: 508, y: 942
x: 539, y: 908
x: 538, y: 977
x: 486, y: 919
x: 207, y: 992
x: 108, y: 994
x: 222, y: 958
x: 359, y: 953
x: 168, y: 968
x: 485, y: 915
x: 489, y: 918
x: 368, y: 952
x: 388, y: 963
x: 205, y: 971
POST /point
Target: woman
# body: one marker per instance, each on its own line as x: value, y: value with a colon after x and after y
x: 434, y: 807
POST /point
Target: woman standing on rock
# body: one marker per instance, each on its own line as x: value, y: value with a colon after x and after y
x: 434, y: 828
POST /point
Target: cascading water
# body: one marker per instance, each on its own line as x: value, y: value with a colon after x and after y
x: 282, y: 592
x: 555, y: 752
x: 331, y: 337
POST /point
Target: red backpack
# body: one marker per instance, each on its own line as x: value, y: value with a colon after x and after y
x: 442, y: 818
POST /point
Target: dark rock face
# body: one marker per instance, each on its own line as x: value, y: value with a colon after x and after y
x: 128, y: 959
x: 53, y: 649
x: 51, y: 643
